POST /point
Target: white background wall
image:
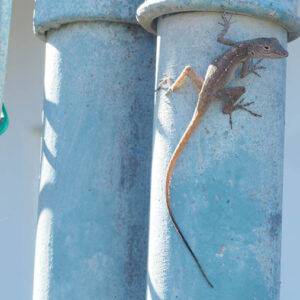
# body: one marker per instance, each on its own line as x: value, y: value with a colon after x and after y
x: 19, y: 156
x: 290, y: 262
x: 19, y: 163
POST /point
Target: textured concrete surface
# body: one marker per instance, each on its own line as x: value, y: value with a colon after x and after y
x: 226, y: 189
x: 95, y: 175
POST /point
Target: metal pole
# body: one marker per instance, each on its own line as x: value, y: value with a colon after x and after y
x: 96, y: 155
x: 226, y: 190
x: 5, y: 15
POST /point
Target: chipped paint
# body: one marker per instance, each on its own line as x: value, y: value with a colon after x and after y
x: 221, y: 251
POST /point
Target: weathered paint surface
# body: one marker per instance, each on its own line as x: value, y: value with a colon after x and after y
x: 96, y: 157
x: 278, y: 11
x: 226, y: 189
x: 5, y: 14
x: 52, y: 14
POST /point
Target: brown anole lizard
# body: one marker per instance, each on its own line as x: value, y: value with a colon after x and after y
x: 213, y: 87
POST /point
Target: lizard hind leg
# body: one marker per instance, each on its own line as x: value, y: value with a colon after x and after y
x: 249, y: 67
x: 193, y: 75
x: 234, y: 94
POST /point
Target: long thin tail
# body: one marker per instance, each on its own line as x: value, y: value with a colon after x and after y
x: 190, y: 129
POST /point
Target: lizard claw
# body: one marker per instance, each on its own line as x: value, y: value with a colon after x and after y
x: 253, y: 67
x: 245, y: 104
x: 162, y: 82
x: 226, y: 22
x: 242, y: 106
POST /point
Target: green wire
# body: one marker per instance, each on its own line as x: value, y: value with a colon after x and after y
x: 4, y: 121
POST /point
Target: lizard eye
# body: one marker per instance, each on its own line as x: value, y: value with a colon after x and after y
x: 267, y: 47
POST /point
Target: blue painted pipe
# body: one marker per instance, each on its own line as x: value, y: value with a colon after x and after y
x: 5, y: 15
x: 92, y: 230
x: 226, y: 189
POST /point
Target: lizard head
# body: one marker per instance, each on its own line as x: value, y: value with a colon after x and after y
x: 267, y: 48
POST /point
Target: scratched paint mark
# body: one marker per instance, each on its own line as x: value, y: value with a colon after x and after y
x: 221, y: 251
x: 275, y: 222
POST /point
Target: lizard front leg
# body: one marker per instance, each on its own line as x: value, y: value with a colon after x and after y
x: 250, y: 67
x: 187, y: 71
x: 226, y: 24
x: 234, y: 94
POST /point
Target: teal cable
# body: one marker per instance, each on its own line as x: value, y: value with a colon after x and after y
x: 4, y: 121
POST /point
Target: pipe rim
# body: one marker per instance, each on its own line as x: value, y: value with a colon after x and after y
x: 150, y: 11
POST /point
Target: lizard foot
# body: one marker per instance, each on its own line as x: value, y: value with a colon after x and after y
x: 253, y: 67
x: 162, y: 82
x: 226, y: 22
x: 242, y: 106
